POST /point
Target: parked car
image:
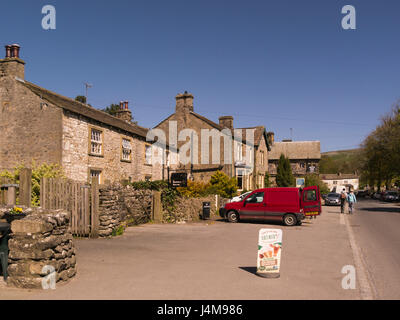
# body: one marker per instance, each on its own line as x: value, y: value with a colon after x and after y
x: 390, y: 196
x: 362, y: 194
x: 240, y: 198
x: 287, y: 205
x: 376, y: 196
x: 333, y: 199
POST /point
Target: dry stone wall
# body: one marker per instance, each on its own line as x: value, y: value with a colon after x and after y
x: 122, y: 204
x: 189, y: 209
x: 41, y: 239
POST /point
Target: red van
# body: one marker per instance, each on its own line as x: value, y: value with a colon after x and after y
x: 287, y: 205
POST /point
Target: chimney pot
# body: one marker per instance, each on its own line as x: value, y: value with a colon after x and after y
x: 126, y: 105
x: 15, y: 50
x: 8, y: 51
x: 121, y: 105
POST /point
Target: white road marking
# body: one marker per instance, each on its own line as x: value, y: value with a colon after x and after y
x: 366, y: 287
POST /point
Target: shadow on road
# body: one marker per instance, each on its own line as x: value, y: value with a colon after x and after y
x: 380, y: 209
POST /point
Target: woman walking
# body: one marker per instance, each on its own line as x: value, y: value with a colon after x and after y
x: 351, y: 200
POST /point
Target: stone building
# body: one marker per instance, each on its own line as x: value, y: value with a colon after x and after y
x: 40, y: 125
x: 304, y: 157
x: 242, y: 152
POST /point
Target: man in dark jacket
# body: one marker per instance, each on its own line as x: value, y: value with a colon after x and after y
x: 343, y: 197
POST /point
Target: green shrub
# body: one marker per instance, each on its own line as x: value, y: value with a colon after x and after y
x: 119, y: 231
x: 222, y: 185
x: 38, y: 172
x: 314, y: 180
x: 195, y: 189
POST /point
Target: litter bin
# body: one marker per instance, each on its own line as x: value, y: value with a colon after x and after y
x: 206, y: 210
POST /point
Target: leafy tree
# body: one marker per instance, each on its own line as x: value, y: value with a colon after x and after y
x: 380, y: 154
x: 284, y: 176
x: 267, y: 183
x: 81, y: 99
x: 314, y: 180
x: 112, y: 109
x: 222, y: 185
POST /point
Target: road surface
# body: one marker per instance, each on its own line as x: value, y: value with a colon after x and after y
x: 376, y: 227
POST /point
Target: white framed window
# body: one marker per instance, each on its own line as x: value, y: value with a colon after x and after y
x: 239, y: 177
x: 96, y: 141
x: 95, y: 173
x: 239, y: 152
x: 126, y: 150
x: 147, y: 154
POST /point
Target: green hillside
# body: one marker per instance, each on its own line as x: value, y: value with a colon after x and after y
x: 343, y: 161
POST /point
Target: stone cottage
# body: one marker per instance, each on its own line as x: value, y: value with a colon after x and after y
x: 239, y: 152
x: 304, y: 156
x: 40, y: 125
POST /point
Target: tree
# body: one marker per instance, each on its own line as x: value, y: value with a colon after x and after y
x: 222, y: 185
x: 81, y: 99
x: 314, y: 180
x: 267, y: 183
x: 380, y: 154
x: 284, y: 176
x: 112, y: 109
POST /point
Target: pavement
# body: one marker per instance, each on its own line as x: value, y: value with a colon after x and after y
x: 211, y: 260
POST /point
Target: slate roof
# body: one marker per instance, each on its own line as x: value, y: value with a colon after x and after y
x: 296, y: 150
x: 84, y: 110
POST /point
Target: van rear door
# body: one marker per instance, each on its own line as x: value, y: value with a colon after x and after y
x: 311, y: 201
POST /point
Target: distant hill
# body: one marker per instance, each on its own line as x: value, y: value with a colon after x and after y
x: 332, y: 153
x: 340, y: 161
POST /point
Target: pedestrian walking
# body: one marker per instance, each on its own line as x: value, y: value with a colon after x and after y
x: 351, y: 199
x: 343, y: 197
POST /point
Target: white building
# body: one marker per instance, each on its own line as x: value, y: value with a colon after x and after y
x: 336, y: 182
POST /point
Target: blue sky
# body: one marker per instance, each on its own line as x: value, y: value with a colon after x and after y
x: 281, y: 64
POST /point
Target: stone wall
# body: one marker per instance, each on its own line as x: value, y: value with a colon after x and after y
x: 41, y: 239
x: 30, y: 130
x: 120, y: 204
x: 189, y: 209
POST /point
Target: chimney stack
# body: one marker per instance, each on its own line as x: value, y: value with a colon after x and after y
x: 124, y: 113
x: 226, y: 122
x: 271, y: 137
x: 12, y: 65
x: 184, y: 102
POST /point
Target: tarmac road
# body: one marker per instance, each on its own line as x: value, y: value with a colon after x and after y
x: 208, y: 261
x: 376, y: 227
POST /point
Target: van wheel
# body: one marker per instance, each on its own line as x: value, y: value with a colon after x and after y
x: 233, y: 216
x: 289, y: 220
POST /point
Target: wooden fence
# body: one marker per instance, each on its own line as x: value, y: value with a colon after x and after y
x: 81, y: 200
x: 10, y: 190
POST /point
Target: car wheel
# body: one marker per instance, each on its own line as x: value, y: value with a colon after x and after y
x: 289, y: 220
x: 233, y: 216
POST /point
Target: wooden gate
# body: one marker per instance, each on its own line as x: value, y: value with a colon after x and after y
x: 81, y: 200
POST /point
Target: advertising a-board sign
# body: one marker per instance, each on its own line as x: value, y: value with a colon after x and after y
x: 179, y: 179
x: 269, y: 253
